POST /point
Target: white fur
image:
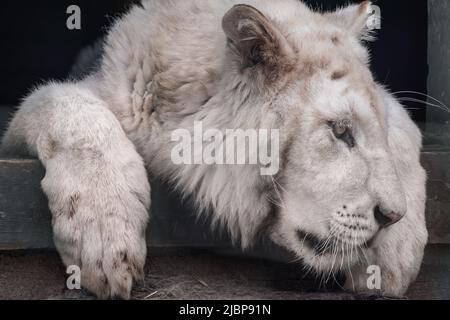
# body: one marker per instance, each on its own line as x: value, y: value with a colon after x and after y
x: 167, y: 65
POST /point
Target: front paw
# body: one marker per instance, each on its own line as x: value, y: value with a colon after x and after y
x: 374, y: 280
x: 102, y: 232
x: 112, y: 275
x: 109, y: 251
x: 393, y: 265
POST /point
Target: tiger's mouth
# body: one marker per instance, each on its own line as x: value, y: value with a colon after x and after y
x: 330, y: 245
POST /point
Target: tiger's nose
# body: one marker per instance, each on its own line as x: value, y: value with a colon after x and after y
x: 386, y: 218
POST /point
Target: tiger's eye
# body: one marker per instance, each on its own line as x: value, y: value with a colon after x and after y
x: 342, y: 130
x: 339, y: 129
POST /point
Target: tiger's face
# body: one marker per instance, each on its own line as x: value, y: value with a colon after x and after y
x: 338, y: 185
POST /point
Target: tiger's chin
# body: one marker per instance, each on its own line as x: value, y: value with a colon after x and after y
x: 331, y: 255
x: 340, y: 259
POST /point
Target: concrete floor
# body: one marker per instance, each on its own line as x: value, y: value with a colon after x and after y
x: 187, y: 274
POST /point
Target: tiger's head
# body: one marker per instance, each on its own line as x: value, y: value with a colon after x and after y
x: 338, y: 184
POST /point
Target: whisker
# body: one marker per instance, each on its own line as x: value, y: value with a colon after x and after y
x: 278, y: 192
x: 273, y: 201
x: 304, y: 239
x: 329, y: 238
x: 334, y: 253
x: 361, y: 250
x: 329, y: 241
x: 408, y: 99
x: 351, y: 277
x: 343, y: 251
x: 422, y: 94
x: 337, y: 282
x: 364, y: 255
x: 279, y: 185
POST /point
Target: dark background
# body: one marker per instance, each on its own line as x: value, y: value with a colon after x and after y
x: 36, y: 45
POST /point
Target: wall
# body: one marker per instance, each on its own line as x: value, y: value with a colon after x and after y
x: 438, y: 121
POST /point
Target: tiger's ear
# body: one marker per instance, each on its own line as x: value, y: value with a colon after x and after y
x: 354, y: 19
x: 256, y: 41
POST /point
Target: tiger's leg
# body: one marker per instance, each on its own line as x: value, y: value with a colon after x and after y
x: 95, y: 181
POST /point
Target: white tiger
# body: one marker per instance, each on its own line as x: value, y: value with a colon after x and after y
x: 349, y: 166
